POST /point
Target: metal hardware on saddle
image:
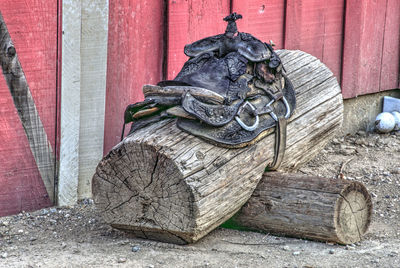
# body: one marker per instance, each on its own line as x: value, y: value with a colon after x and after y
x: 231, y: 92
x: 253, y: 111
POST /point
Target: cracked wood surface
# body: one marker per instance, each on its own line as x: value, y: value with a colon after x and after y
x: 308, y: 207
x: 164, y: 184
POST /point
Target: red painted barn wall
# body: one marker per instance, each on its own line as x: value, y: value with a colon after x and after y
x: 390, y: 71
x: 135, y: 56
x: 263, y: 19
x: 363, y: 47
x: 316, y: 27
x: 357, y: 40
x: 189, y: 21
x: 33, y: 29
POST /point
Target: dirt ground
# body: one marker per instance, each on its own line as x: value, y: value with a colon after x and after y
x: 77, y: 237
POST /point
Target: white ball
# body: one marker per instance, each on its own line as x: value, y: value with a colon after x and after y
x: 396, y: 116
x: 385, y: 122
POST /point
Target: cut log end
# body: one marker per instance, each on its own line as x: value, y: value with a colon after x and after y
x: 353, y: 213
x: 145, y: 195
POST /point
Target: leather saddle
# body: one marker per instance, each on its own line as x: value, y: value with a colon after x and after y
x: 232, y: 92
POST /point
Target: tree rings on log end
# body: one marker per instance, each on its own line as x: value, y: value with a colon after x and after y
x: 353, y: 213
x: 139, y: 189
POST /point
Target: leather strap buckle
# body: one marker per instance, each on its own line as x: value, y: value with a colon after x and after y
x: 253, y: 112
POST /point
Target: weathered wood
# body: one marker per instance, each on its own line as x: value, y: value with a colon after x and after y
x: 136, y: 46
x: 93, y: 53
x: 390, y: 69
x: 263, y: 19
x: 316, y: 27
x: 165, y: 184
x: 363, y: 47
x: 32, y: 125
x: 188, y: 21
x: 308, y: 207
x: 70, y: 103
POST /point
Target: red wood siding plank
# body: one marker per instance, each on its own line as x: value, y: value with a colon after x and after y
x: 21, y: 187
x: 135, y: 54
x: 263, y: 19
x: 33, y: 29
x: 188, y: 21
x: 391, y: 47
x: 316, y: 27
x: 363, y: 46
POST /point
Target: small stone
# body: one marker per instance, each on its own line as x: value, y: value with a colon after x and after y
x: 361, y: 133
x: 375, y: 261
x: 296, y: 253
x: 123, y: 243
x: 20, y: 231
x: 331, y: 251
x: 63, y: 245
x: 387, y: 196
x: 44, y: 212
x: 5, y: 223
x: 121, y: 260
x: 392, y: 254
x: 286, y: 248
x: 4, y: 255
x: 335, y: 141
x: 76, y: 251
x: 135, y: 248
x: 373, y: 194
x: 53, y: 210
x: 349, y: 247
x: 33, y: 239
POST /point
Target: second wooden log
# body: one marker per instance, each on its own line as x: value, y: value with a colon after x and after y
x: 308, y: 207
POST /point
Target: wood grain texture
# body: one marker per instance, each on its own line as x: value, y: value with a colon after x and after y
x: 263, y: 19
x: 308, y: 207
x: 165, y: 184
x: 135, y: 55
x: 27, y: 111
x: 189, y: 21
x: 363, y: 47
x: 28, y: 123
x: 92, y: 90
x: 33, y: 29
x: 316, y: 27
x: 70, y: 102
x: 390, y: 70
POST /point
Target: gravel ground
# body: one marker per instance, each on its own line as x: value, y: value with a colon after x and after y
x: 77, y: 237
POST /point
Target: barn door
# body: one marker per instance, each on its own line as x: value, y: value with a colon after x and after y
x: 28, y: 104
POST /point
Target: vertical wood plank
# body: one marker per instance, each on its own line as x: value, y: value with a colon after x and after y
x: 188, y: 21
x: 26, y: 108
x: 93, y: 90
x: 316, y: 27
x: 363, y: 46
x: 33, y: 29
x: 390, y: 71
x: 26, y: 146
x: 135, y: 56
x: 70, y: 102
x: 21, y: 186
x: 263, y: 19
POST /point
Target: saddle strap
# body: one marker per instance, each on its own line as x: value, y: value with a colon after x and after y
x: 280, y: 143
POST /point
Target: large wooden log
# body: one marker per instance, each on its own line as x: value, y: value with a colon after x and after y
x: 302, y: 206
x: 165, y: 184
